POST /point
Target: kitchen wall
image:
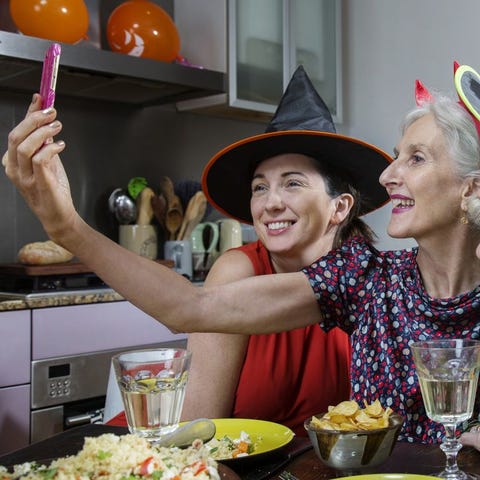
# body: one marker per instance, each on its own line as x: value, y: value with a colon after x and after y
x: 387, y: 44
x: 106, y: 146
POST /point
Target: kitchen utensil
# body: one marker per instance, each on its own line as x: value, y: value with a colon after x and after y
x: 180, y: 251
x: 174, y: 213
x: 230, y: 234
x: 193, y: 216
x: 202, y: 428
x: 125, y: 209
x: 113, y: 198
x: 159, y: 206
x: 144, y: 206
x: 204, y: 240
x: 135, y: 186
x: 186, y: 189
x: 141, y: 239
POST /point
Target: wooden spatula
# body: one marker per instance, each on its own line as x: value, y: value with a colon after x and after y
x: 159, y: 206
x: 144, y: 206
x: 193, y: 215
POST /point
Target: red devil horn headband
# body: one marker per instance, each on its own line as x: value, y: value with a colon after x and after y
x: 467, y: 85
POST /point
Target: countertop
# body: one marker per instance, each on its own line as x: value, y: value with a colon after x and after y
x: 57, y: 299
x: 9, y: 304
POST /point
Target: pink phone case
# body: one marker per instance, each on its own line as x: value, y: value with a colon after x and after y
x: 49, y: 75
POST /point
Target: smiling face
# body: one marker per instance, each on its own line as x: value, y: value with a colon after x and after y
x: 292, y: 212
x: 425, y: 190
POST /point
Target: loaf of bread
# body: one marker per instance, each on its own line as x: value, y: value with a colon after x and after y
x: 43, y: 253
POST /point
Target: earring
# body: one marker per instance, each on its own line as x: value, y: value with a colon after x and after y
x: 464, y: 219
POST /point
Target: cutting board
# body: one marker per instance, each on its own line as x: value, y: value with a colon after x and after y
x: 67, y: 268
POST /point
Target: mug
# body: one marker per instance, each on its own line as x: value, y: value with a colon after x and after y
x: 180, y: 251
x: 204, y: 237
x: 230, y: 234
x: 141, y: 239
x: 204, y: 240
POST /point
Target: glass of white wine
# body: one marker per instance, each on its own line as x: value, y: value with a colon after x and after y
x: 448, y: 374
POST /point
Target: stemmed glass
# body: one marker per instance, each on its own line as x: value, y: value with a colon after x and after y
x: 448, y: 374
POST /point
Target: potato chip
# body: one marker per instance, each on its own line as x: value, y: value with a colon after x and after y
x: 348, y: 416
x: 374, y: 409
x: 347, y: 408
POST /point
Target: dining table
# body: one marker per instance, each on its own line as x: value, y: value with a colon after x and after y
x: 297, y: 457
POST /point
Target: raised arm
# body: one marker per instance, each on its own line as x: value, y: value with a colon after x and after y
x: 256, y: 305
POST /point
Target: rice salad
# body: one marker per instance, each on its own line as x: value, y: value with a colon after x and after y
x: 126, y: 457
x: 225, y: 448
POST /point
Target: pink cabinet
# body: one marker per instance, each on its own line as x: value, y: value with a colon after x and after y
x: 50, y: 357
x: 14, y: 380
x: 14, y: 418
x: 78, y: 329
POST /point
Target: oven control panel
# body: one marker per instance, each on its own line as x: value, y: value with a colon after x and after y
x: 60, y: 380
x: 67, y: 379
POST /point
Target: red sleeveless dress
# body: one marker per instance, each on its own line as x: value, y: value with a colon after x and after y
x: 289, y: 376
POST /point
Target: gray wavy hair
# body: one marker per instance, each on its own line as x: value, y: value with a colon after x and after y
x: 461, y: 138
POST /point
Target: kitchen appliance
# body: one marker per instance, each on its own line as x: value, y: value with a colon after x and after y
x: 71, y: 390
x: 18, y: 281
x: 27, y: 282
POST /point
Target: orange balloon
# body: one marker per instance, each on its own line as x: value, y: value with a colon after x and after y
x: 58, y: 20
x: 143, y: 29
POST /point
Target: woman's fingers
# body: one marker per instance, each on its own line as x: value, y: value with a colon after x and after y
x: 35, y: 104
x: 28, y: 138
x: 471, y: 438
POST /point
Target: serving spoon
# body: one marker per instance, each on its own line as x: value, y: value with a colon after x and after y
x: 202, y: 428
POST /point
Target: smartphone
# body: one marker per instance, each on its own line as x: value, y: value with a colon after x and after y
x: 49, y: 75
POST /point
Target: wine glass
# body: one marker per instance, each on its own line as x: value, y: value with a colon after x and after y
x: 448, y: 374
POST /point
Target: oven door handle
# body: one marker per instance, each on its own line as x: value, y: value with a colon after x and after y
x: 88, y: 417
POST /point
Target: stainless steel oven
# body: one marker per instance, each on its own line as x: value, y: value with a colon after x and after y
x: 70, y: 391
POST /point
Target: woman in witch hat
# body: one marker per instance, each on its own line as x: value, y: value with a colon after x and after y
x: 383, y: 300
x: 299, y: 198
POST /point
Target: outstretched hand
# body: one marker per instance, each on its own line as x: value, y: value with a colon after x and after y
x: 33, y: 165
x: 471, y: 438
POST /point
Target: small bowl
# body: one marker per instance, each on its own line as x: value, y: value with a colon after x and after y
x: 354, y: 451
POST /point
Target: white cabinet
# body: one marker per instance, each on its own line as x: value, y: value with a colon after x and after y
x: 263, y: 42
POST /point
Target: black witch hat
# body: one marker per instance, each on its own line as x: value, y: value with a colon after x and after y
x: 301, y: 124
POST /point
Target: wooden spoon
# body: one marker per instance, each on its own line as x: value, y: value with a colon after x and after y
x: 144, y: 206
x: 174, y: 212
x: 193, y: 215
x: 159, y: 206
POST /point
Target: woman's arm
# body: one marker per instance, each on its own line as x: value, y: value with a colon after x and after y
x: 262, y: 304
x: 217, y: 358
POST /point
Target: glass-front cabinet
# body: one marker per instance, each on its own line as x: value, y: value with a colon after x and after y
x: 263, y: 42
x: 267, y: 40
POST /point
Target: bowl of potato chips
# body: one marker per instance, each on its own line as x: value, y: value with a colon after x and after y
x: 353, y: 439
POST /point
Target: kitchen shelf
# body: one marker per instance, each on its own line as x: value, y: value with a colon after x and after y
x: 90, y: 73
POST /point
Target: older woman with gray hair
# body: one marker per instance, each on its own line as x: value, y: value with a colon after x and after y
x: 383, y: 300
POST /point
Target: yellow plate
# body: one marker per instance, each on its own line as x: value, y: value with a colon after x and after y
x: 267, y: 436
x: 390, y: 476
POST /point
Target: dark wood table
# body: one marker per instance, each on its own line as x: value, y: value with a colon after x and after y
x: 298, y: 457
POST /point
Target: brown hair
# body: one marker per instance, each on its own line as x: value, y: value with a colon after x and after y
x: 336, y: 183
